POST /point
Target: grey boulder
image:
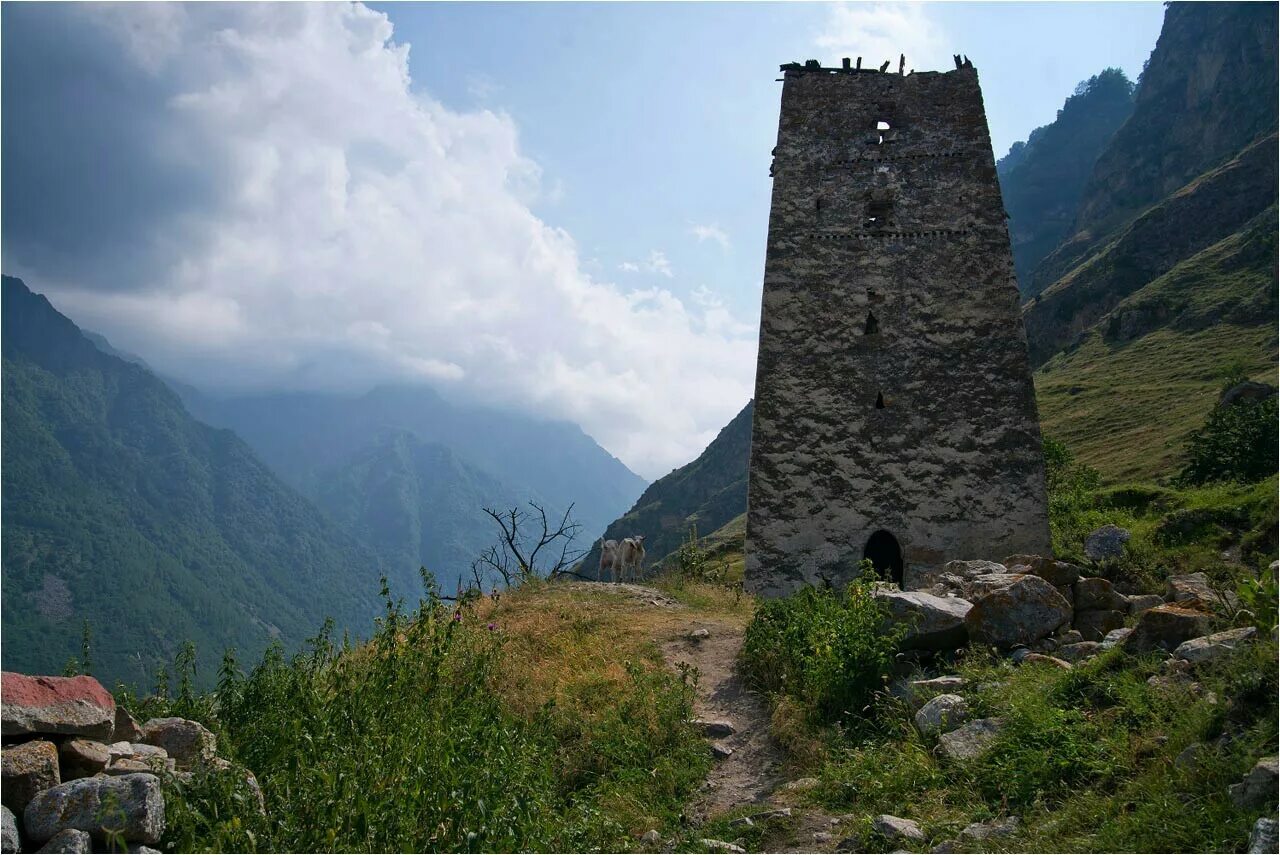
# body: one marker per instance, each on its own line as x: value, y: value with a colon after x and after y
x: 1023, y: 612
x: 1211, y: 647
x: 1263, y: 837
x: 187, y: 742
x: 1165, y: 627
x: 8, y: 831
x: 1106, y: 542
x: 971, y: 740
x: 943, y: 713
x: 895, y: 828
x: 69, y: 840
x: 933, y: 623
x: 1258, y: 787
x: 129, y: 804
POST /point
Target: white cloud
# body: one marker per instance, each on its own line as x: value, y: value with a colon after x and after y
x: 658, y: 263
x: 711, y: 233
x: 629, y: 267
x: 882, y: 31
x: 365, y: 233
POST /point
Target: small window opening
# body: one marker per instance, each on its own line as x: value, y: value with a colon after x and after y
x: 877, y: 214
x: 879, y: 400
x: 873, y: 325
x: 881, y: 127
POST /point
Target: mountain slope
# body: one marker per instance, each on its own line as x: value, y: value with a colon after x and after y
x: 418, y: 501
x: 317, y: 442
x: 1127, y: 397
x: 1209, y: 90
x: 122, y: 510
x: 1167, y: 284
x: 1042, y: 179
x: 707, y: 493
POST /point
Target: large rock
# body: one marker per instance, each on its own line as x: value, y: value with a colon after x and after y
x: 27, y: 769
x: 1059, y: 574
x: 1211, y: 647
x: 82, y: 758
x: 1094, y: 625
x: 1106, y: 543
x: 129, y: 804
x: 971, y: 740
x: 1263, y: 837
x: 1097, y: 594
x: 76, y: 706
x: 1080, y: 651
x: 933, y: 623
x: 188, y: 742
x: 1006, y: 827
x: 943, y: 713
x: 69, y: 840
x: 127, y: 728
x: 1257, y: 789
x: 1191, y: 588
x: 1116, y: 636
x: 1165, y: 627
x: 955, y: 577
x: 8, y: 831
x: 1024, y: 612
x: 1139, y: 603
x: 895, y: 828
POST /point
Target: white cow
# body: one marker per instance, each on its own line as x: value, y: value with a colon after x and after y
x: 630, y: 556
x: 608, y: 560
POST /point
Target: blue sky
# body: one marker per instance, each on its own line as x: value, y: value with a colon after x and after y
x: 651, y: 119
x: 555, y: 208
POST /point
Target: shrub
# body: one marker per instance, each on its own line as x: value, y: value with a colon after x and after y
x: 829, y: 649
x: 1236, y: 443
x: 403, y: 744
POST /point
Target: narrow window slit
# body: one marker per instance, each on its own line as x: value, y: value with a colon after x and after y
x: 873, y: 325
x: 879, y: 400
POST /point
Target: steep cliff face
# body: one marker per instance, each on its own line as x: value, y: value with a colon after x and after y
x: 1209, y: 90
x: 1042, y: 179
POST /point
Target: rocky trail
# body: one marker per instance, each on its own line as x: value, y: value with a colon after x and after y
x: 747, y: 777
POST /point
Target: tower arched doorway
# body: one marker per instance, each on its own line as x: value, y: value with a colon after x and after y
x: 884, y: 553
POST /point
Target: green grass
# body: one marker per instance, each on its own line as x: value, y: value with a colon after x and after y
x: 536, y: 723
x: 1128, y: 407
x: 1085, y: 759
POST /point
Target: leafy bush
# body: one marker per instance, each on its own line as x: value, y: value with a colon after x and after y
x: 403, y: 744
x: 829, y: 649
x: 1237, y: 443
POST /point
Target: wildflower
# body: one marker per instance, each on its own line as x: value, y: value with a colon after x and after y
x: 492, y: 627
x: 457, y: 616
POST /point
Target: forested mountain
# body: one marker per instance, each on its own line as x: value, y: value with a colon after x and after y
x: 1042, y: 179
x: 400, y: 454
x: 707, y: 493
x: 122, y: 510
x: 1166, y: 283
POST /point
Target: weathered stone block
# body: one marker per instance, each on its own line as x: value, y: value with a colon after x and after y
x: 1094, y: 625
x: 27, y: 769
x: 129, y: 804
x: 933, y: 623
x: 1021, y: 613
x: 187, y: 742
x: 1165, y: 627
x: 78, y: 706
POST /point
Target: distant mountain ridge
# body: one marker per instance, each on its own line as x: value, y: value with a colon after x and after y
x: 122, y: 510
x: 413, y: 455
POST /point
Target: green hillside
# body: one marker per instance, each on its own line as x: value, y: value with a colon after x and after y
x: 1149, y: 371
x: 123, y: 511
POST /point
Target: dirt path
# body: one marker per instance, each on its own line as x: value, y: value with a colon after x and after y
x: 750, y: 774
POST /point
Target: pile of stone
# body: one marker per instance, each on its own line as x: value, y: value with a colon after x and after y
x: 80, y: 774
x: 1032, y: 606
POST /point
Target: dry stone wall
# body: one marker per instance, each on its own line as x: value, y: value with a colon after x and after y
x: 895, y: 416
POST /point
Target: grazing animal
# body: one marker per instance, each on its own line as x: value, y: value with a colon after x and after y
x: 630, y: 556
x: 608, y: 560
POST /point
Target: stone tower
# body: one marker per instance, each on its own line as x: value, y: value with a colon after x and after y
x: 895, y: 417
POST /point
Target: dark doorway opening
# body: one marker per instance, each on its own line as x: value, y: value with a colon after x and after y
x: 884, y: 553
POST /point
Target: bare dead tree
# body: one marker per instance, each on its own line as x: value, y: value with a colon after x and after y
x: 531, y: 545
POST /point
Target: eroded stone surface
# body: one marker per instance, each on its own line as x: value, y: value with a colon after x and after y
x: 1106, y: 543
x: 1258, y: 787
x: 896, y: 828
x: 69, y: 840
x: 130, y: 804
x: 895, y: 413
x: 1094, y: 625
x: 187, y: 742
x: 1165, y: 627
x: 77, y: 706
x: 1211, y: 647
x: 8, y: 831
x: 932, y: 623
x: 27, y: 769
x: 1021, y: 613
x: 971, y: 740
x: 943, y: 713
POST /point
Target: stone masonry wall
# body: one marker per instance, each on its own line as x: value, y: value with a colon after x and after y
x: 906, y: 225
